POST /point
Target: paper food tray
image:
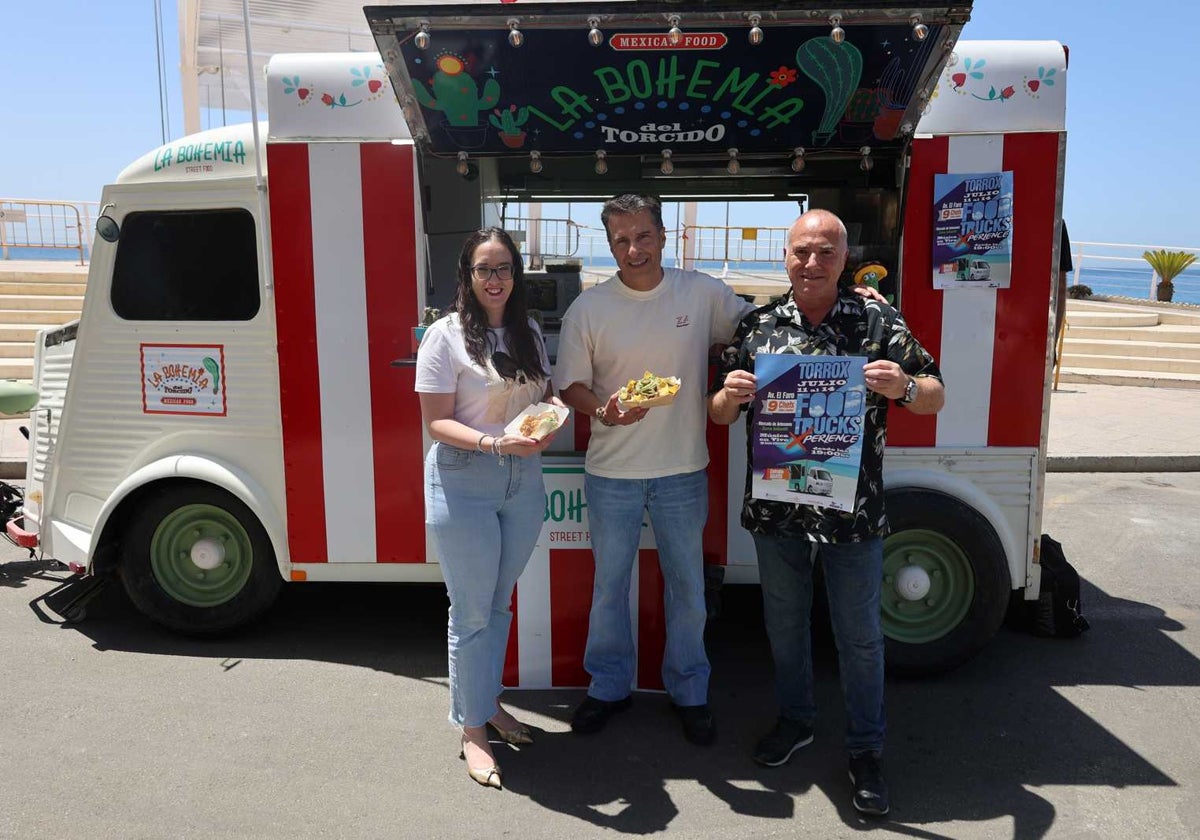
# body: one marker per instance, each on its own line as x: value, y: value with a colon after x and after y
x: 514, y: 427
x: 653, y: 401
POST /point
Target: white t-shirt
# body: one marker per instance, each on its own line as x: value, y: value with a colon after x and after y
x: 612, y: 334
x: 483, y: 399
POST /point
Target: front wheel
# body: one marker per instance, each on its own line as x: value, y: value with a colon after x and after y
x: 196, y: 559
x: 946, y: 584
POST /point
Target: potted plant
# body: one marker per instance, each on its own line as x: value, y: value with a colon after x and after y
x: 430, y: 315
x: 1167, y: 265
x: 509, y: 122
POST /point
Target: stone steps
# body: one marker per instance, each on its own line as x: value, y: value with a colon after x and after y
x: 56, y: 302
x: 1108, y: 376
x: 1167, y: 333
x: 17, y: 369
x: 1126, y: 344
x: 1141, y: 364
x: 24, y: 333
x: 42, y: 317
x: 16, y: 349
x: 1112, y: 319
x: 42, y: 271
x: 48, y: 289
x: 1074, y: 347
x: 34, y: 294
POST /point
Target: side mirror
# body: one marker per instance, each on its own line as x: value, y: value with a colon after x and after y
x: 107, y: 229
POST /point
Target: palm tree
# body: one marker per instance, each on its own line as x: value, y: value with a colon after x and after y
x: 1167, y: 265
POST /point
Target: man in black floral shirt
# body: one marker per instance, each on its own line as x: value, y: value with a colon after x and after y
x: 818, y: 318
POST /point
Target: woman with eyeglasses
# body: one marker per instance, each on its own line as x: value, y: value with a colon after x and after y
x: 477, y: 369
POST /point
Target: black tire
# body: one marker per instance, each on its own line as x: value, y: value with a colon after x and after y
x: 158, y: 572
x: 935, y: 530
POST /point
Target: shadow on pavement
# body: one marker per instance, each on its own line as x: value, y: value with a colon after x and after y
x: 969, y: 746
x: 16, y: 574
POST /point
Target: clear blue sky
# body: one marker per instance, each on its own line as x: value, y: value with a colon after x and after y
x: 81, y: 101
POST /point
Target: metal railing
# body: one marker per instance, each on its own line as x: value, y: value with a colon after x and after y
x: 27, y: 223
x: 1115, y: 268
x: 758, y: 247
x: 541, y: 240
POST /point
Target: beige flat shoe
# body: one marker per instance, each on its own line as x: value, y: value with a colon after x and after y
x: 519, y: 736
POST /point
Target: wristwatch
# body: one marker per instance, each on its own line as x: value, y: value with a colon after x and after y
x: 910, y: 392
x: 599, y: 415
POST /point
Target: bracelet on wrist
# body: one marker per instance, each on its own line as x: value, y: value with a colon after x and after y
x: 479, y: 443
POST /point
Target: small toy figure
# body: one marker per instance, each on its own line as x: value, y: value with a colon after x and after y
x: 871, y: 273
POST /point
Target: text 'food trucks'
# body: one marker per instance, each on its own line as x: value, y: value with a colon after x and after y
x: 235, y: 408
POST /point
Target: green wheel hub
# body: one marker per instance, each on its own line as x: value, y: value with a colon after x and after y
x: 201, y: 555
x: 928, y: 586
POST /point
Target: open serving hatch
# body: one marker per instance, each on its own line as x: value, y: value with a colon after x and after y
x: 614, y: 87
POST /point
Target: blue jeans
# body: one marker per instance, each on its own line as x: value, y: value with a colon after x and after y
x: 853, y: 576
x: 486, y: 517
x: 678, y: 506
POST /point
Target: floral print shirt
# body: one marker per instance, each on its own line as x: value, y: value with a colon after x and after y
x: 854, y: 327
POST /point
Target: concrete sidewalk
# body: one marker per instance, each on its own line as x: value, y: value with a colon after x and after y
x: 1093, y: 428
x: 1120, y: 428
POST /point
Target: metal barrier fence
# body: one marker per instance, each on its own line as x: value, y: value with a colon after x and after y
x: 760, y: 248
x: 28, y: 223
x: 542, y: 239
x: 1112, y: 268
x: 756, y: 248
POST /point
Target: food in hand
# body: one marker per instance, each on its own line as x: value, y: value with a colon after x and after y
x: 539, y: 425
x: 647, y: 388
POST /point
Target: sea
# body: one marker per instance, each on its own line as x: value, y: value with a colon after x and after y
x: 1115, y: 282
x: 1108, y: 282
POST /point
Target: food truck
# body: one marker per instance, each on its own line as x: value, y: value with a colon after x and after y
x: 235, y: 409
x: 809, y: 478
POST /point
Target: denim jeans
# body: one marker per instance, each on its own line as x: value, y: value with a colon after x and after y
x: 678, y: 506
x: 853, y: 576
x: 485, y: 517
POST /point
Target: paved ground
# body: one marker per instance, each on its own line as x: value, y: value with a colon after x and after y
x: 327, y: 719
x: 1116, y: 427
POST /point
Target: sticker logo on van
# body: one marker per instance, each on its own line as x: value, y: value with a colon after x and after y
x: 183, y: 379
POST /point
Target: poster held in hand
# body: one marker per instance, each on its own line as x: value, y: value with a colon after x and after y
x: 808, y: 427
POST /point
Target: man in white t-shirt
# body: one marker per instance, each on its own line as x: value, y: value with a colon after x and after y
x: 645, y: 318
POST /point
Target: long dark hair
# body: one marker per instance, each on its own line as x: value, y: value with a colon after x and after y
x: 521, y: 343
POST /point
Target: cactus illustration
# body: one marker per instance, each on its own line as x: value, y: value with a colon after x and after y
x: 456, y: 94
x: 836, y: 68
x: 210, y: 364
x: 510, y: 121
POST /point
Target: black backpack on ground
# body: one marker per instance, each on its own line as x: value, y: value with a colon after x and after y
x: 1058, y: 610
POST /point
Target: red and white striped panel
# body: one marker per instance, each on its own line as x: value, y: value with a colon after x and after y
x: 343, y: 233
x: 990, y: 344
x: 554, y: 596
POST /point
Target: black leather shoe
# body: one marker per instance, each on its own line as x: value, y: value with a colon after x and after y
x: 698, y: 724
x: 592, y: 714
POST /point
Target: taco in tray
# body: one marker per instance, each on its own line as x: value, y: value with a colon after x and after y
x: 649, y: 387
x: 539, y: 425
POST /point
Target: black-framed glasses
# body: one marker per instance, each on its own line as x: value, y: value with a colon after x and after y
x: 484, y: 272
x: 506, y: 366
